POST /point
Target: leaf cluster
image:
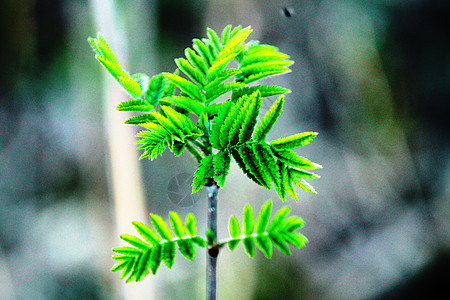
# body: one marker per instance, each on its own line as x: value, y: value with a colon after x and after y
x: 182, y: 110
x: 279, y: 232
x: 156, y: 245
x: 160, y: 244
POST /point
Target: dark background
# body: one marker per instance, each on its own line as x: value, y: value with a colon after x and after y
x: 373, y: 77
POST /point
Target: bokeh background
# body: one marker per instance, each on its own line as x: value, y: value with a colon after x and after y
x: 373, y: 77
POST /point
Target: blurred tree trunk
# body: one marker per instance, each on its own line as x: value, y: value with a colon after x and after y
x: 125, y: 175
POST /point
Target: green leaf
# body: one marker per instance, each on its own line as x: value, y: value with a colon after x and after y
x: 248, y: 220
x: 227, y: 125
x: 185, y: 103
x: 186, y: 86
x: 153, y: 142
x: 295, y: 173
x: 221, y: 89
x: 177, y: 224
x: 213, y: 109
x: 286, y: 183
x: 264, y: 55
x: 126, y: 251
x: 205, y: 170
x: 221, y: 167
x: 156, y: 257
x: 293, y: 141
x: 135, y: 105
x: 199, y: 241
x: 102, y: 48
x: 291, y: 224
x: 140, y: 119
x: 264, y: 244
x: 186, y: 247
x: 182, y: 122
x: 301, y: 183
x: 214, y: 39
x: 190, y: 225
x: 221, y: 76
x: 155, y: 90
x: 194, y: 74
x: 251, y: 113
x: 130, y: 86
x: 219, y: 65
x: 279, y: 243
x: 233, y: 227
x: 292, y: 159
x: 128, y: 267
x: 252, y: 166
x: 134, y: 241
x: 218, y: 123
x: 278, y: 218
x: 203, y: 52
x: 236, y: 38
x: 161, y: 227
x: 233, y: 244
x: 265, y: 91
x: 196, y: 61
x: 263, y: 74
x: 263, y: 217
x: 177, y: 148
x: 226, y: 34
x: 249, y: 245
x: 121, y: 265
x: 203, y: 123
x: 235, y: 231
x: 141, y: 268
x: 146, y: 232
x: 295, y: 239
x: 268, y: 167
x: 240, y: 162
x: 269, y: 119
x: 262, y: 66
x: 170, y: 124
x: 168, y: 253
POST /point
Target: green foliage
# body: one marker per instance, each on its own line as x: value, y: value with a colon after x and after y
x: 160, y: 244
x: 156, y: 245
x: 279, y: 232
x: 205, y: 78
x: 208, y: 108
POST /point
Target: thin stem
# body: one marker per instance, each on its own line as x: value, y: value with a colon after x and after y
x: 211, y: 257
x: 194, y: 152
x: 200, y: 145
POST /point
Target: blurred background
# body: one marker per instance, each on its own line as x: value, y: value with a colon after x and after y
x: 373, y: 77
